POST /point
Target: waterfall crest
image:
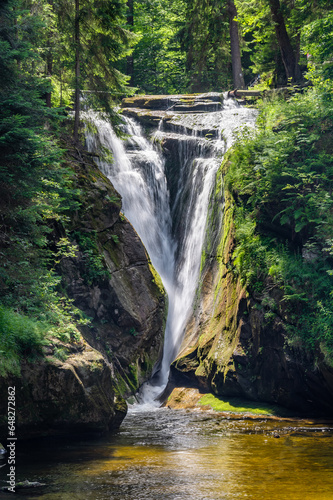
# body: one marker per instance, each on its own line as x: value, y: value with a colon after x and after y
x: 167, y: 200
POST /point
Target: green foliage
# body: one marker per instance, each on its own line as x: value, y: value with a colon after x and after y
x: 103, y: 42
x: 133, y: 332
x: 306, y: 23
x: 36, y: 194
x: 261, y: 49
x: 20, y: 338
x: 320, y: 54
x: 36, y: 189
x: 238, y: 405
x: 159, y: 63
x: 281, y: 177
x: 94, y: 264
x: 205, y: 40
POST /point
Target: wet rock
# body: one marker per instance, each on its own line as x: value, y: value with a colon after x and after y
x: 165, y: 102
x: 147, y: 117
x: 184, y: 398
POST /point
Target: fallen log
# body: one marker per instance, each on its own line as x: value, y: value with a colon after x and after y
x: 240, y: 93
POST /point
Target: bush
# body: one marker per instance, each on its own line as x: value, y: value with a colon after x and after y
x: 20, y: 338
x: 281, y: 177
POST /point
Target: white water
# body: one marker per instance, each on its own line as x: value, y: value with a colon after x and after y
x: 138, y: 174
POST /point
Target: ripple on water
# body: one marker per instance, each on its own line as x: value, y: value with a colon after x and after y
x: 167, y: 454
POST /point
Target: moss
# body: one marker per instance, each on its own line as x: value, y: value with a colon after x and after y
x: 111, y: 249
x: 200, y: 371
x: 133, y: 376
x: 147, y: 364
x: 121, y: 385
x: 237, y: 405
x: 156, y: 278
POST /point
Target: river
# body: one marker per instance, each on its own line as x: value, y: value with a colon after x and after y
x: 185, y: 455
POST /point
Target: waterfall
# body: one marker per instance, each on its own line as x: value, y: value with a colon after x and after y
x: 168, y: 205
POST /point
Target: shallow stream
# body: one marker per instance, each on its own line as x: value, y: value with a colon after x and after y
x: 168, y: 454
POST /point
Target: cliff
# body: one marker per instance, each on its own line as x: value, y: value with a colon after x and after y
x: 230, y: 347
x: 78, y: 384
x: 112, y: 281
x: 238, y: 341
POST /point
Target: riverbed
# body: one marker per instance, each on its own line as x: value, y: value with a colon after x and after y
x: 185, y: 455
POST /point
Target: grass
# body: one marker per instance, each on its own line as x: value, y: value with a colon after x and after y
x: 20, y: 338
x: 238, y: 405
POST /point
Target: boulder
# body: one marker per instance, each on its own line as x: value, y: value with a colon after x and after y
x: 68, y: 397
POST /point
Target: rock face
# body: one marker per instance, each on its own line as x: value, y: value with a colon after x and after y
x: 230, y: 348
x: 190, y: 102
x: 113, y: 282
x: 69, y: 397
x: 150, y: 110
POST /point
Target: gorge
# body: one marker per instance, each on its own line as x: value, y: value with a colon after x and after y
x: 170, y: 177
x: 170, y: 173
x: 178, y: 286
x: 165, y: 184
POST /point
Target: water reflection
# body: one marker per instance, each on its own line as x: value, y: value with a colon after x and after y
x: 166, y: 454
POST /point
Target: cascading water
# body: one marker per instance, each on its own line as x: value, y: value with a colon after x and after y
x: 169, y: 209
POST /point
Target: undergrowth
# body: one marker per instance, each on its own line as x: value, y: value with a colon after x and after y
x: 281, y: 178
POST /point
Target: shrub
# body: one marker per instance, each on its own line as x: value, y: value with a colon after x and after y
x: 20, y: 338
x: 281, y: 178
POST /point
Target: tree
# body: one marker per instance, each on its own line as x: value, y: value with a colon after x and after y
x: 130, y: 59
x: 237, y: 72
x: 319, y: 26
x: 100, y: 40
x: 205, y: 40
x: 32, y: 180
x: 77, y: 71
x: 271, y: 30
x: 289, y: 59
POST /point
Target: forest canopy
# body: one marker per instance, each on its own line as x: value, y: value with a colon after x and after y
x: 163, y: 46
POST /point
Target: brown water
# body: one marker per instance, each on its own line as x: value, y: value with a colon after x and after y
x: 177, y: 455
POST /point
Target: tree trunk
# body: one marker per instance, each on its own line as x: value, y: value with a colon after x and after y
x: 49, y: 66
x: 49, y: 63
x: 130, y: 59
x: 237, y: 73
x: 77, y: 72
x: 292, y: 68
